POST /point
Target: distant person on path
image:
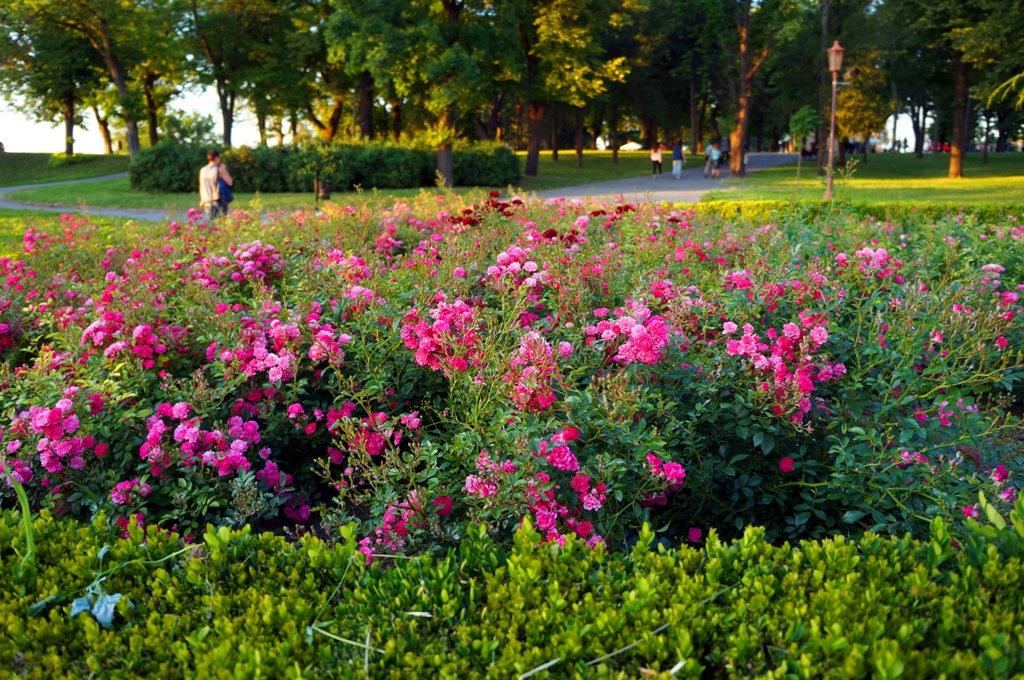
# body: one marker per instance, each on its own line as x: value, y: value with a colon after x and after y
x: 708, y: 165
x: 656, y: 159
x: 214, y: 186
x: 716, y: 160
x: 678, y: 159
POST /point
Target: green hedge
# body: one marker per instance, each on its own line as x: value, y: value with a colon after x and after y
x: 905, y: 211
x: 175, y: 167
x: 247, y: 605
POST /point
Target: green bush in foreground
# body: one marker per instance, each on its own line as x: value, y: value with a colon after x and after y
x: 241, y: 605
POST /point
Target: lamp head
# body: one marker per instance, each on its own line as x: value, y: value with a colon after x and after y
x: 835, y: 57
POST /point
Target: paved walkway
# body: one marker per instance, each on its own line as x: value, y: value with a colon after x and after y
x: 128, y: 213
x: 689, y: 189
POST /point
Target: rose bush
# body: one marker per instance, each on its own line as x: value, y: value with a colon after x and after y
x: 592, y: 366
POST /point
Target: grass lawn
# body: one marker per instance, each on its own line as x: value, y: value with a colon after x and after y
x: 891, y: 178
x: 33, y: 168
x: 597, y: 167
x: 116, y: 193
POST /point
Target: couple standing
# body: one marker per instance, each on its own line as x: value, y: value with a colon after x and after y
x: 215, y: 186
x: 678, y: 159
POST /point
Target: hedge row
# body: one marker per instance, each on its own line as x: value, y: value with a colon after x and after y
x: 175, y: 167
x: 244, y: 605
x: 902, y: 212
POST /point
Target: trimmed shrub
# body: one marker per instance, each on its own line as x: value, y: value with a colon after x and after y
x: 912, y: 212
x: 252, y: 605
x: 175, y: 167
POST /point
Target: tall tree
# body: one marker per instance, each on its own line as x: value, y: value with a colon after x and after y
x: 748, y: 55
x: 113, y: 28
x: 47, y: 70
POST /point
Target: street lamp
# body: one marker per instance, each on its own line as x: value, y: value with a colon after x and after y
x: 835, y: 64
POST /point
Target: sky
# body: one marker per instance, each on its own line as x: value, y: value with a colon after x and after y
x: 20, y: 134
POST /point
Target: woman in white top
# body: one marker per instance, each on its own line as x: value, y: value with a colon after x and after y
x: 656, y: 159
x: 209, y: 186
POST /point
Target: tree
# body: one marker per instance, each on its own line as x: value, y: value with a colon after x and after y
x: 113, y: 28
x: 864, y: 106
x: 47, y: 69
x: 233, y: 36
x: 560, y: 57
x: 803, y: 122
x: 747, y: 58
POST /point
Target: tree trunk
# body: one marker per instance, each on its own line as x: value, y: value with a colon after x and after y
x: 261, y: 125
x: 445, y: 163
x: 745, y: 72
x: 104, y: 127
x: 494, y: 117
x: 918, y: 117
x: 968, y: 117
x: 956, y: 157
x: 824, y: 93
x: 579, y: 137
x: 895, y: 113
x: 69, y: 123
x: 104, y: 46
x: 279, y: 131
x: 396, y: 121
x: 937, y: 137
x: 613, y: 134
x: 1002, y: 131
x: 984, y: 148
x: 554, y: 132
x: 366, y: 105
x: 538, y: 112
x: 596, y: 128
x: 227, y: 110
x: 694, y: 114
x: 330, y: 128
x: 700, y: 124
x: 148, y: 83
x: 864, y: 146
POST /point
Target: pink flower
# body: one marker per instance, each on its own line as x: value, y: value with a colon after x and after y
x: 819, y: 335
x: 459, y: 273
x: 295, y: 410
x: 1001, y: 342
x: 786, y: 465
x: 580, y: 484
x: 563, y: 459
x: 674, y: 472
x: 443, y: 505
x: 564, y: 349
x: 970, y: 511
x: 695, y: 535
x: 729, y: 327
x: 791, y: 331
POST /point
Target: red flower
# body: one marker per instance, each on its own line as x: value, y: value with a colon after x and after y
x: 443, y: 505
x: 1001, y: 341
x: 786, y: 465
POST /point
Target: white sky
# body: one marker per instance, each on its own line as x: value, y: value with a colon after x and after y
x: 20, y: 134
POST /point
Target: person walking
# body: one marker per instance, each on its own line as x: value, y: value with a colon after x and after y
x: 708, y: 165
x: 678, y: 159
x: 214, y: 186
x: 656, y: 159
x: 716, y: 160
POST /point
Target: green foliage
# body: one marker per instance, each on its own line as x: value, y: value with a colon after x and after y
x: 61, y: 160
x: 908, y: 212
x: 175, y: 167
x: 240, y: 604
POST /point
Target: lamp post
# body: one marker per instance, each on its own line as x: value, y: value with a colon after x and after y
x: 835, y: 64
